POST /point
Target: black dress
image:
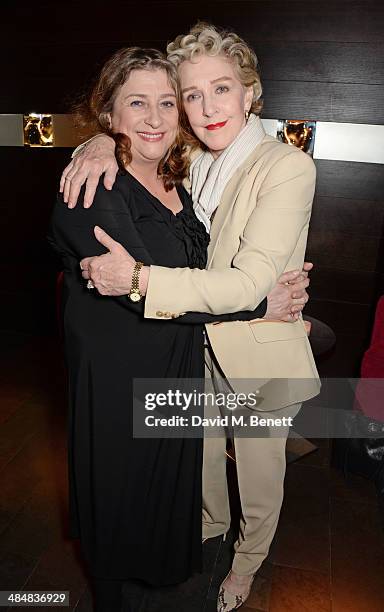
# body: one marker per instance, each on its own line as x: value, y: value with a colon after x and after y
x: 135, y: 503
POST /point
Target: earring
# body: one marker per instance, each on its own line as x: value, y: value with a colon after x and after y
x: 246, y: 114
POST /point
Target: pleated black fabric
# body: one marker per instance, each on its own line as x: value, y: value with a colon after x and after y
x: 135, y: 504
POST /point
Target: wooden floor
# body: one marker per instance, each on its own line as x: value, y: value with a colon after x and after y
x: 328, y: 552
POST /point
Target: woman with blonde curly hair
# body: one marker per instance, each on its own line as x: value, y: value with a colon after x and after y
x: 135, y: 504
x: 254, y: 194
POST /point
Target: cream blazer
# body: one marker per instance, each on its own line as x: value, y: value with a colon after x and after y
x: 259, y: 231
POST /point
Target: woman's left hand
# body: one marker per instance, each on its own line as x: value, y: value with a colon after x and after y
x: 111, y: 274
x: 289, y: 296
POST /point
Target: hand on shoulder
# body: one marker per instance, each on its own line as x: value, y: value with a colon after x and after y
x: 97, y: 157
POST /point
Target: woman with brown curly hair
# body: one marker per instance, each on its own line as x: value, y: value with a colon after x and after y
x: 135, y: 504
x: 254, y: 194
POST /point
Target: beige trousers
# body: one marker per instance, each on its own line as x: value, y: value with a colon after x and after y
x: 260, y: 464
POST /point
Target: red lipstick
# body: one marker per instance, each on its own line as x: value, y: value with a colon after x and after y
x: 216, y: 126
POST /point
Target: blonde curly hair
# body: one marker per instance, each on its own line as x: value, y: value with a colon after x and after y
x: 205, y: 39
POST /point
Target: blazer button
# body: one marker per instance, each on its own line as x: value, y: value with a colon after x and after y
x: 159, y: 313
x: 167, y: 315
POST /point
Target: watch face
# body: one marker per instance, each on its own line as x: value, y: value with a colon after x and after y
x: 135, y: 297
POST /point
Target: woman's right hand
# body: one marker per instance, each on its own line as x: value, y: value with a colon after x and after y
x: 96, y: 157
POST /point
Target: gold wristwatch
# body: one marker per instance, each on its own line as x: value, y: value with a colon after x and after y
x: 134, y: 293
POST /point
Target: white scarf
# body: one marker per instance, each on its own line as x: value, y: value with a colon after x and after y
x: 209, y: 177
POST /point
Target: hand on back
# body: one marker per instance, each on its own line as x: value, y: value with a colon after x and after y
x: 289, y: 296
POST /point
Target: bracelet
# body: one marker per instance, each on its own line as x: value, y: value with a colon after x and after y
x: 134, y: 293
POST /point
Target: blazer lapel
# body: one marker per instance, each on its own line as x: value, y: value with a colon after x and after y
x: 229, y: 197
x: 222, y: 211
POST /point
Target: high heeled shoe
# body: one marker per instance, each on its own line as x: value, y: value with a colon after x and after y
x: 227, y: 602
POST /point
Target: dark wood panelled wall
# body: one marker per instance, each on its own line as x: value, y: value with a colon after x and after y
x: 321, y: 60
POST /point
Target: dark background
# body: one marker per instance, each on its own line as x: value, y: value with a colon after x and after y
x: 320, y: 60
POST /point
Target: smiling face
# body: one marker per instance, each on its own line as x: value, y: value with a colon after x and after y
x: 215, y: 100
x: 145, y: 110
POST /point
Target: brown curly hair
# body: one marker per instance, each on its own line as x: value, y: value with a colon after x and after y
x: 91, y: 113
